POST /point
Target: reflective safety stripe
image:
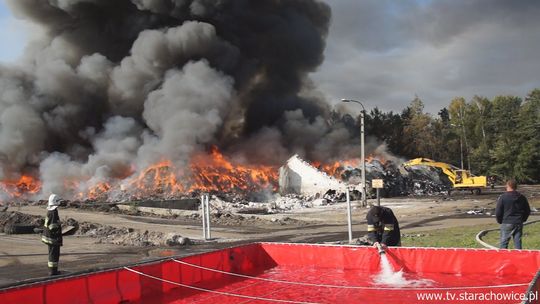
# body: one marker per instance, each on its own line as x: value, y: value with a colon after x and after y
x: 46, y: 222
x: 54, y: 226
x: 52, y: 264
x: 371, y: 228
x: 389, y: 227
x: 47, y: 240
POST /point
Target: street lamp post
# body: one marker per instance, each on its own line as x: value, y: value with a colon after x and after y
x: 363, y: 148
x: 460, y: 145
x: 461, y: 150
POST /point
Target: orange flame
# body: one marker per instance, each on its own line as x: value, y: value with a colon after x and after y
x: 215, y: 173
x: 336, y: 169
x: 207, y: 171
x: 157, y: 180
x: 98, y: 191
x: 25, y: 185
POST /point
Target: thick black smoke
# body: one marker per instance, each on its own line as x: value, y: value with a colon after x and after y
x: 113, y: 86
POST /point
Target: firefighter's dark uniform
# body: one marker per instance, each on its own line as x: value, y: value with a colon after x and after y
x: 383, y: 226
x: 52, y: 236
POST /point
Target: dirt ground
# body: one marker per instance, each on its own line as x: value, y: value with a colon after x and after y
x: 23, y: 257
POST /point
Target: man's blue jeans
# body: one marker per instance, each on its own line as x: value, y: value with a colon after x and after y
x: 511, y: 231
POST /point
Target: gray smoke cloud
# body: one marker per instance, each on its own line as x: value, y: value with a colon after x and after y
x: 189, y: 109
x: 112, y: 87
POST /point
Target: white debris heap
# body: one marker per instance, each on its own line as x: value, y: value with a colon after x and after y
x: 299, y: 177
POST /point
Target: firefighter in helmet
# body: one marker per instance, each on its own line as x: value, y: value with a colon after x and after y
x: 383, y: 227
x: 52, y: 233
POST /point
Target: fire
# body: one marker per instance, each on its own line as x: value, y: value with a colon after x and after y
x: 336, y: 168
x: 215, y: 173
x: 209, y: 171
x: 206, y: 172
x: 157, y: 180
x: 25, y: 185
x: 96, y: 192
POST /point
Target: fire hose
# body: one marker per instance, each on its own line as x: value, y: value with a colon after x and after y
x: 482, y: 233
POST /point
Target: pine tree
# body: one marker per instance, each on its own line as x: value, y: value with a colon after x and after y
x: 527, y: 168
x: 503, y: 123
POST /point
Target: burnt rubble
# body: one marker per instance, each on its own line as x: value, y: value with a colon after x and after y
x: 400, y: 181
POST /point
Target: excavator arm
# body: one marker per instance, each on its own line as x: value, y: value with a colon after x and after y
x: 446, y: 168
x: 459, y: 178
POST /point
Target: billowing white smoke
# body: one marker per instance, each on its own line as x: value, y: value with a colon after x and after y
x: 112, y: 87
x: 115, y: 149
x: 186, y: 112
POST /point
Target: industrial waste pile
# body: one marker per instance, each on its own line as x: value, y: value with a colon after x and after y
x: 400, y: 181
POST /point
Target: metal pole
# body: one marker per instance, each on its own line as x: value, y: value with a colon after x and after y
x: 461, y: 149
x: 363, y: 146
x: 208, y: 216
x: 203, y: 217
x: 378, y: 198
x: 462, y: 114
x: 349, y: 216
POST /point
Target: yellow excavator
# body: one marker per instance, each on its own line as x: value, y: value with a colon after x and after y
x: 461, y: 179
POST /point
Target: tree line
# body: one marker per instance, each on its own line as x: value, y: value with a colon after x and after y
x: 499, y: 136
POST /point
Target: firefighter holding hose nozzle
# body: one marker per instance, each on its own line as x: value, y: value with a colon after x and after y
x: 383, y: 228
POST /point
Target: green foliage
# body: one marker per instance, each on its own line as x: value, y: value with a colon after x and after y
x: 495, y: 137
x: 531, y: 237
x: 479, y: 158
x: 464, y: 237
x: 386, y: 127
x: 503, y: 156
x: 527, y: 167
x: 457, y: 237
x: 419, y: 131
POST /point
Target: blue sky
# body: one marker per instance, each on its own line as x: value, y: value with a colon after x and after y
x: 12, y: 35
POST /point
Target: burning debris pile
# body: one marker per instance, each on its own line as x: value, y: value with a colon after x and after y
x: 299, y: 177
x: 210, y: 172
x: 24, y: 186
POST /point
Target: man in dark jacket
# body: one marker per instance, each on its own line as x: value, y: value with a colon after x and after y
x: 512, y: 211
x: 383, y: 227
x: 52, y: 234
